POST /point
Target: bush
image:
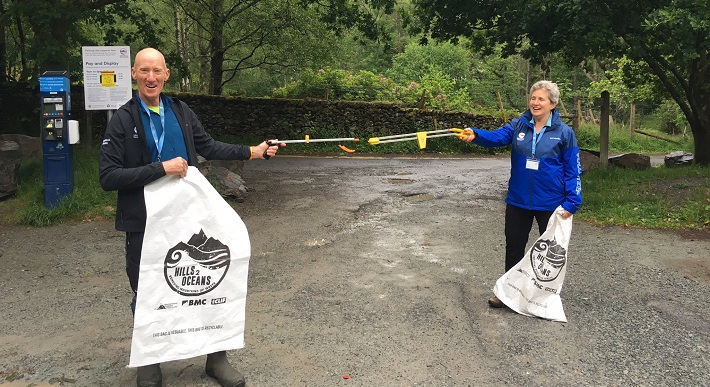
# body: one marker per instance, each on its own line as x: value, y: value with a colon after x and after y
x: 440, y: 91
x: 670, y: 118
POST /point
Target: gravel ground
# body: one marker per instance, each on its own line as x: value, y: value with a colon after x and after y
x: 377, y: 269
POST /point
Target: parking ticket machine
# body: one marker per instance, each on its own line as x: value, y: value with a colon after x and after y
x: 55, y: 111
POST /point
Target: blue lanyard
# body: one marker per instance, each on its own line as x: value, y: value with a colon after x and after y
x: 536, y: 138
x: 158, y: 142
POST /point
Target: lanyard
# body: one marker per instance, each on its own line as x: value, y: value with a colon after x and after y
x: 159, y: 142
x: 536, y: 138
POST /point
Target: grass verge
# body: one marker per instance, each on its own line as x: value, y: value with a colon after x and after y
x: 677, y: 198
x: 88, y: 201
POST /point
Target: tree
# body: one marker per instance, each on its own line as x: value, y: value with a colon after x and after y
x: 45, y: 35
x: 672, y: 37
x: 54, y: 24
x: 229, y: 37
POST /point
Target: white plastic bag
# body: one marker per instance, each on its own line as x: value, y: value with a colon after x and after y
x: 533, y: 286
x: 193, y: 276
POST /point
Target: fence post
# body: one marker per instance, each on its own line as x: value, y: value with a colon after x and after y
x: 500, y: 105
x: 604, y: 131
x: 632, y: 120
x: 422, y: 101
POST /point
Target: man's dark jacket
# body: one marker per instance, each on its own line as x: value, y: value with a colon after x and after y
x: 125, y: 165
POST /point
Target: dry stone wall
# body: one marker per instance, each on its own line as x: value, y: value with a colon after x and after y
x: 281, y: 118
x: 259, y: 117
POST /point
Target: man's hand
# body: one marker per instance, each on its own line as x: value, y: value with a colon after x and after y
x: 257, y: 152
x: 176, y: 166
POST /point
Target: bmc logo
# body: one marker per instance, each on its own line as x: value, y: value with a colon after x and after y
x: 220, y: 300
x: 194, y: 302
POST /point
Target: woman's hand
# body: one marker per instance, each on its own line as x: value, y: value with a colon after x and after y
x: 468, y: 135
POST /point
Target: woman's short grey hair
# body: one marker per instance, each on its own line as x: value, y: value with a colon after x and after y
x: 552, y: 90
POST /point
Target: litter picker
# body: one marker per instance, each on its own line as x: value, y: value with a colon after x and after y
x: 419, y: 136
x: 307, y: 140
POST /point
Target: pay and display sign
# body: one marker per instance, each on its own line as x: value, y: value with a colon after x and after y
x: 107, y: 76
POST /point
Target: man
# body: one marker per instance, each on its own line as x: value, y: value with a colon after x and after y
x: 149, y: 137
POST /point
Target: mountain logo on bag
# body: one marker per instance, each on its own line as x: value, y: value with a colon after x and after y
x: 547, y: 259
x: 198, y: 266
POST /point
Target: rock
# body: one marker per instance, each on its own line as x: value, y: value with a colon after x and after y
x: 226, y: 182
x: 678, y: 158
x: 10, y: 158
x: 631, y: 161
x: 589, y: 159
x: 236, y: 166
x: 30, y: 147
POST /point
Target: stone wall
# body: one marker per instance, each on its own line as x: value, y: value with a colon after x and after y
x: 284, y: 119
x: 257, y: 117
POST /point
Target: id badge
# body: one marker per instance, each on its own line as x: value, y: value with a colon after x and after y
x: 532, y: 164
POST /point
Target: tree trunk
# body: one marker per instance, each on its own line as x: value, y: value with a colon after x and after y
x: 699, y: 101
x: 182, y: 44
x: 216, y: 47
x: 3, y: 47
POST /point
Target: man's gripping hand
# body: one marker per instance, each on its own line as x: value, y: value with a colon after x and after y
x: 176, y: 166
x: 265, y: 150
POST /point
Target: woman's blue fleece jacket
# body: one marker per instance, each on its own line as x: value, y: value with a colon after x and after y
x: 557, y: 180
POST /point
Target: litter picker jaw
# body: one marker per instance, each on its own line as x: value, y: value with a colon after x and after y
x: 420, y: 137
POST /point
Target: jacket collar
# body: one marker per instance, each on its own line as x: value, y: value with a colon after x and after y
x: 554, y: 118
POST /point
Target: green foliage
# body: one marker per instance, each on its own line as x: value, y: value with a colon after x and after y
x: 338, y: 85
x: 659, y: 198
x: 439, y: 90
x: 418, y: 61
x: 615, y: 81
x: 670, y: 119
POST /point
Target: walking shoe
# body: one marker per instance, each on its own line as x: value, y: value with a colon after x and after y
x: 219, y: 368
x: 494, y: 302
x: 149, y: 376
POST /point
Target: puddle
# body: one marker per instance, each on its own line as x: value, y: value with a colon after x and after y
x: 400, y: 181
x: 418, y: 197
x: 315, y: 243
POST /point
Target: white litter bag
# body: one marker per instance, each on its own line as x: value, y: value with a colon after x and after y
x: 533, y: 286
x: 193, y: 276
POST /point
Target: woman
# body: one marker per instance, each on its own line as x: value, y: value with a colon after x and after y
x: 544, y: 172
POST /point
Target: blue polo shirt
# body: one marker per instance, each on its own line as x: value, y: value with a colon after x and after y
x: 173, y: 142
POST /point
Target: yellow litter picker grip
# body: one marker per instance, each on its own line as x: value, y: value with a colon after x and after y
x: 461, y: 132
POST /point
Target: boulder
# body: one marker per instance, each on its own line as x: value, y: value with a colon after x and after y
x: 10, y: 158
x: 631, y: 161
x: 30, y: 147
x: 235, y: 166
x: 226, y: 182
x: 678, y: 158
x: 589, y: 159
